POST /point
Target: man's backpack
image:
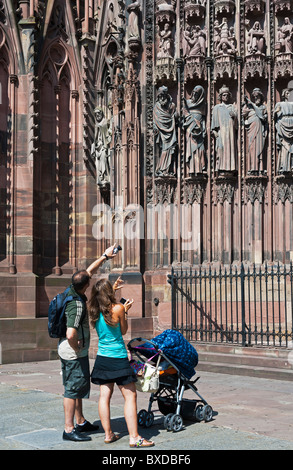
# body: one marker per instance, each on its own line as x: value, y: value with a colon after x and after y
x: 56, y: 314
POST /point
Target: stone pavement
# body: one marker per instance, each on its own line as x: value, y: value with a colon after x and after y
x: 249, y: 414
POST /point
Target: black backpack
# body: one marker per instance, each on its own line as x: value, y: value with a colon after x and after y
x: 56, y: 314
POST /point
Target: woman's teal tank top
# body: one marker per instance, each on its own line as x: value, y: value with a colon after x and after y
x: 111, y: 343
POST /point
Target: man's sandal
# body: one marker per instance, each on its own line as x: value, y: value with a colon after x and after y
x: 142, y: 443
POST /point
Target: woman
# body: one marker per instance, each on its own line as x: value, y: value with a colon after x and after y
x: 109, y: 318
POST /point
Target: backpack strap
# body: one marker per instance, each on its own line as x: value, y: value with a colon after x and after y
x: 69, y: 298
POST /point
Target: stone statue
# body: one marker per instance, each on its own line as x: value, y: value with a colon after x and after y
x: 256, y: 39
x: 224, y: 128
x: 195, y: 125
x: 166, y: 41
x: 100, y: 150
x: 133, y: 26
x: 285, y: 36
x: 256, y: 126
x: 217, y: 35
x: 133, y: 40
x: 165, y: 130
x: 284, y: 133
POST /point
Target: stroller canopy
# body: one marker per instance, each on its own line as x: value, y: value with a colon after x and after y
x: 178, y: 350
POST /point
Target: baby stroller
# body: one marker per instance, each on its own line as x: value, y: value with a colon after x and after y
x: 174, y: 380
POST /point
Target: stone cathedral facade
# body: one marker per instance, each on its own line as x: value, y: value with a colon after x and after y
x: 163, y: 125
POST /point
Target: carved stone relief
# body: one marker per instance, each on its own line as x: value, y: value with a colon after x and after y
x: 165, y: 44
x: 284, y: 48
x: 225, y: 48
x: 200, y: 144
x: 194, y: 42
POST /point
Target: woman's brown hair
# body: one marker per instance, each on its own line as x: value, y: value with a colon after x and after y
x: 101, y: 301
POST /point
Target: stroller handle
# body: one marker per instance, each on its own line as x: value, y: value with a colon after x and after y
x: 143, y: 339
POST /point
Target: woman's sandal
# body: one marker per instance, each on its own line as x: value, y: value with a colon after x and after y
x: 142, y: 443
x: 114, y: 438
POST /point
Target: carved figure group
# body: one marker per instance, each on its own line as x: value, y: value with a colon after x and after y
x: 194, y: 43
x: 224, y: 38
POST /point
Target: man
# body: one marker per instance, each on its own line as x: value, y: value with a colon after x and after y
x: 73, y: 352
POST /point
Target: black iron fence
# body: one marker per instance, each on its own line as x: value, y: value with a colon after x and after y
x: 248, y: 306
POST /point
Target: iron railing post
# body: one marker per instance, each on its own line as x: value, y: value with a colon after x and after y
x: 173, y: 299
x: 242, y: 279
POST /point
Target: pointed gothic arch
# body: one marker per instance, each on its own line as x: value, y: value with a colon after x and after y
x: 5, y: 158
x: 58, y: 85
x: 8, y: 80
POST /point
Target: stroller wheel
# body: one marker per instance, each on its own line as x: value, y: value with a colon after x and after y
x: 149, y: 419
x: 176, y: 423
x: 145, y: 418
x: 167, y: 421
x: 141, y: 417
x: 199, y: 415
x: 207, y: 413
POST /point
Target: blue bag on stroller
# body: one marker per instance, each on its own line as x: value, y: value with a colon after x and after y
x: 178, y: 350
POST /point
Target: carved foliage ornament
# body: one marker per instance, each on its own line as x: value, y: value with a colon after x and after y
x: 254, y: 191
x: 193, y: 193
x: 165, y: 190
x: 283, y: 192
x: 224, y: 192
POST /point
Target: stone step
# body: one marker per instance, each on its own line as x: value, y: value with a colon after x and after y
x: 248, y: 371
x: 237, y: 348
x: 25, y: 340
x: 274, y: 363
x: 249, y: 360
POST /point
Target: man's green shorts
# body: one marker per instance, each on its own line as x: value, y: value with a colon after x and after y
x: 76, y: 377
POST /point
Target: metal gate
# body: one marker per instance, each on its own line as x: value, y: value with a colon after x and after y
x: 252, y: 306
